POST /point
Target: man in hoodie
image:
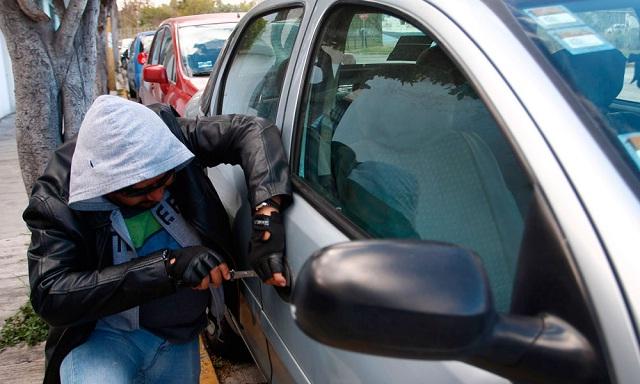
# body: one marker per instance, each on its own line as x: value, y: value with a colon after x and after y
x: 128, y: 233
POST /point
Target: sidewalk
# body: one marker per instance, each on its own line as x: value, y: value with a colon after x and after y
x: 19, y: 365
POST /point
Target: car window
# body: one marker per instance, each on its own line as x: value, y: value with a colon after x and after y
x: 145, y: 43
x: 132, y: 50
x: 167, y: 55
x: 398, y: 142
x: 200, y: 46
x: 253, y: 82
x: 156, y: 47
x: 594, y: 46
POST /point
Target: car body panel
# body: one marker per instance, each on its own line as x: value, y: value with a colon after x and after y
x: 597, y: 219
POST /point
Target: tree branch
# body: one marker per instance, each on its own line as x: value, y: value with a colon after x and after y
x: 32, y: 11
x: 68, y: 27
x: 60, y: 9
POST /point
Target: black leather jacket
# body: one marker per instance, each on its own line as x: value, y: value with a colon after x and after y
x: 71, y: 273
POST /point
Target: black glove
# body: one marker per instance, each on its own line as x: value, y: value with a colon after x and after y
x: 192, y: 264
x: 267, y: 255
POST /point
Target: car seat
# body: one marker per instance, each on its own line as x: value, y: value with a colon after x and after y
x: 599, y: 77
x: 462, y: 198
x: 266, y: 94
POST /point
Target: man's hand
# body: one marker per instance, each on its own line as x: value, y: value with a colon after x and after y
x: 267, y: 246
x: 215, y: 277
x: 196, y: 267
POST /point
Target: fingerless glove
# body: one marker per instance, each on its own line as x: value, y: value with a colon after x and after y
x: 267, y: 255
x: 192, y: 264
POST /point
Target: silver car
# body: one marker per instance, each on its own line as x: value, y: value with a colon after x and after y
x: 467, y: 188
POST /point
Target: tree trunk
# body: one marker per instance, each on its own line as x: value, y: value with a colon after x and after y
x: 101, y: 40
x: 54, y: 72
x: 107, y: 8
x: 115, y: 35
x: 78, y: 92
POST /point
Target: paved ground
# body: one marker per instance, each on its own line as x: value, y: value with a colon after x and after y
x: 19, y: 365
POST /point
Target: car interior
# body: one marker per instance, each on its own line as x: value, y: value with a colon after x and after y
x: 259, y: 67
x: 399, y: 168
x: 603, y: 77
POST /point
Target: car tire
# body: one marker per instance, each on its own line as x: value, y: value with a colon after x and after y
x: 229, y: 345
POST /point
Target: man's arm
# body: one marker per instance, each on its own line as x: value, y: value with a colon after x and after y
x: 251, y: 142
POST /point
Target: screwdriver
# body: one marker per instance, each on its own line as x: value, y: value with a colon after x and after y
x: 235, y: 275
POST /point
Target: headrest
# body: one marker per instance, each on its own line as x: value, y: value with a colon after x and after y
x: 408, y: 47
x: 439, y: 67
x: 598, y: 76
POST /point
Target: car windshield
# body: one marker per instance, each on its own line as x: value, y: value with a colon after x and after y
x: 200, y: 46
x: 595, y: 46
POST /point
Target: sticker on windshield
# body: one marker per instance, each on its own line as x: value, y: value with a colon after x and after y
x: 631, y: 142
x: 580, y: 39
x: 205, y: 64
x: 552, y: 17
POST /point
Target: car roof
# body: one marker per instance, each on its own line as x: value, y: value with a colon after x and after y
x: 207, y: 18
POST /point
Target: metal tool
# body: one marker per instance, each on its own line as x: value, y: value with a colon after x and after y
x: 235, y: 275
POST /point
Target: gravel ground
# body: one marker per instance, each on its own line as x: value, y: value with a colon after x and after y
x: 229, y: 372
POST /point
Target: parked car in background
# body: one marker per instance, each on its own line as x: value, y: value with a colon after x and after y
x: 135, y: 59
x: 123, y: 51
x: 182, y: 55
x: 467, y: 176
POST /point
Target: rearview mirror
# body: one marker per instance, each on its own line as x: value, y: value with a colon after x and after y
x: 427, y: 300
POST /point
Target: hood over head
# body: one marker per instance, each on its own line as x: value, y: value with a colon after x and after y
x: 120, y: 143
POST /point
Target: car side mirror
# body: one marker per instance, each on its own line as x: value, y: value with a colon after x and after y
x: 428, y: 300
x: 142, y: 58
x: 155, y: 73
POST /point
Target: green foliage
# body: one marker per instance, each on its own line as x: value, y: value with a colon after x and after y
x: 150, y: 17
x: 23, y: 327
x: 252, y: 33
x: 195, y: 7
x: 140, y: 14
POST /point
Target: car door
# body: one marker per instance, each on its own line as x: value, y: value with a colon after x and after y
x: 147, y: 90
x: 167, y: 59
x: 251, y: 79
x: 171, y: 92
x: 399, y: 127
x: 161, y: 53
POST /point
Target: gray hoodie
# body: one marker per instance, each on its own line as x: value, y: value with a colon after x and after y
x: 120, y: 143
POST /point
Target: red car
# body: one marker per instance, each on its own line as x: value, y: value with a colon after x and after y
x: 183, y: 53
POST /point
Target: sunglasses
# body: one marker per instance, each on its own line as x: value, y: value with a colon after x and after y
x: 130, y: 191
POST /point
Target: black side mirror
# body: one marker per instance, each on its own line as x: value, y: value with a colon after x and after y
x: 427, y: 300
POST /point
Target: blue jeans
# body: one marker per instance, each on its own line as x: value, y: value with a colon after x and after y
x: 114, y: 356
